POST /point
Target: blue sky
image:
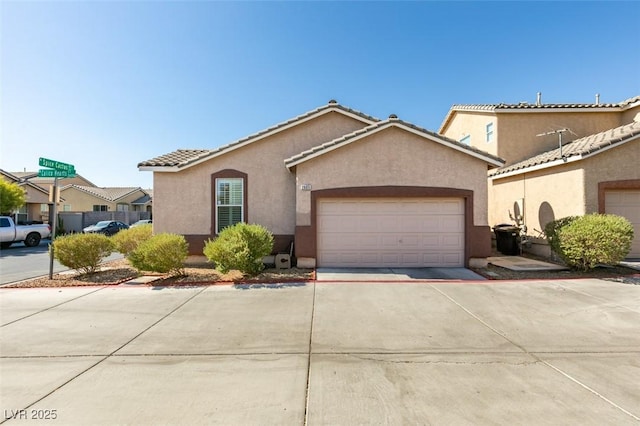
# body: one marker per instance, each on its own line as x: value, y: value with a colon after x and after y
x: 105, y: 85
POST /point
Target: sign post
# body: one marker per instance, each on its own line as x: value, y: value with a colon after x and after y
x: 54, y: 169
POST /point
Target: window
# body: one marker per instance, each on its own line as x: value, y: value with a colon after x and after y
x: 66, y: 208
x: 466, y: 140
x: 122, y: 207
x: 99, y: 208
x: 229, y: 202
x: 490, y: 132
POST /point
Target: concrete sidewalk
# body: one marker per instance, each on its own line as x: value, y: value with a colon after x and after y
x: 540, y: 352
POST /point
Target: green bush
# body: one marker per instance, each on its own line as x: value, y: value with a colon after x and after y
x: 161, y: 253
x: 241, y: 247
x: 82, y: 252
x: 127, y: 240
x: 551, y: 230
x: 595, y: 239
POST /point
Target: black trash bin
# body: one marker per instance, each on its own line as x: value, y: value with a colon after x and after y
x: 507, y: 239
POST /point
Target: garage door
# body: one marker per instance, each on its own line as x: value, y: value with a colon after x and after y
x: 627, y: 204
x: 388, y: 232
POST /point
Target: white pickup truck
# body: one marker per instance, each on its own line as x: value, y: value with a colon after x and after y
x: 30, y: 234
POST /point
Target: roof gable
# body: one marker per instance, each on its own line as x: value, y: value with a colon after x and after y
x: 382, y: 125
x: 109, y: 194
x: 576, y: 150
x: 184, y: 158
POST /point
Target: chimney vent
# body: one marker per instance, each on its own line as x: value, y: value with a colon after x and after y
x: 597, y: 98
x: 393, y: 117
x: 539, y: 99
x: 333, y: 102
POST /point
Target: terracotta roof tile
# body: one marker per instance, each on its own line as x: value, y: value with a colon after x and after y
x: 110, y: 194
x: 579, y: 147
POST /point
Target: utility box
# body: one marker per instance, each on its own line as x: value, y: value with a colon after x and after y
x: 283, y: 261
x: 507, y: 239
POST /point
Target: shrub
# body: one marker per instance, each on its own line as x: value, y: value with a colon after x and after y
x: 82, y: 252
x: 595, y: 239
x: 241, y: 247
x: 127, y: 240
x: 161, y: 253
x: 551, y: 230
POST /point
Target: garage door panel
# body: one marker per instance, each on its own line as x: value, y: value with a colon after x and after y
x: 391, y: 232
x: 626, y: 204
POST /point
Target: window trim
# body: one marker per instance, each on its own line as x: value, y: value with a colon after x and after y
x: 228, y: 174
x: 490, y: 130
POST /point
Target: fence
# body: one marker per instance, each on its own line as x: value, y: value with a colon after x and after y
x: 76, y: 221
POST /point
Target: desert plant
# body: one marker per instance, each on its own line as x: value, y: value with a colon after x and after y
x: 552, y: 229
x: 241, y: 247
x: 161, y: 253
x: 595, y: 239
x: 128, y: 240
x: 82, y: 252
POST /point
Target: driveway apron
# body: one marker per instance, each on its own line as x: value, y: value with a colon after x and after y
x: 441, y: 352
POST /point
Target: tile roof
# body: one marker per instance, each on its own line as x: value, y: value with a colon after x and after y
x: 527, y: 107
x: 393, y: 121
x: 184, y: 157
x: 109, y: 194
x: 577, y: 149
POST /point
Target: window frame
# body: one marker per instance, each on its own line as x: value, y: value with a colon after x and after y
x: 227, y: 174
x: 490, y: 131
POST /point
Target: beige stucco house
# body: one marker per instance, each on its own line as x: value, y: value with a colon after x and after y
x: 80, y: 198
x: 561, y: 160
x: 345, y: 188
x: 36, y: 197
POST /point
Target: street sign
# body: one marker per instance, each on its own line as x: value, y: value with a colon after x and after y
x: 55, y: 173
x: 56, y: 165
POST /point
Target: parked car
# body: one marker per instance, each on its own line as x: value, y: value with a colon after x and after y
x: 106, y: 227
x: 30, y: 234
x: 141, y: 222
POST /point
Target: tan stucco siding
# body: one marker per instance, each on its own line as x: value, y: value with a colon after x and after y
x: 548, y: 195
x: 631, y: 115
x: 621, y: 163
x: 474, y: 125
x: 183, y: 200
x: 393, y: 157
x: 518, y: 132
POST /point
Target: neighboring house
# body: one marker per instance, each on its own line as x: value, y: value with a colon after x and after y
x: 90, y: 198
x: 36, y: 197
x: 346, y: 188
x: 561, y: 160
x: 46, y: 182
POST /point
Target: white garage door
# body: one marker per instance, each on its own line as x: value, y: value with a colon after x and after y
x: 388, y: 232
x: 627, y: 204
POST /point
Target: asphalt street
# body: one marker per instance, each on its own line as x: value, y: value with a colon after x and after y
x: 463, y: 353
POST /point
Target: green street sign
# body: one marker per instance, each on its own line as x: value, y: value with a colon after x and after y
x: 56, y: 165
x: 55, y: 173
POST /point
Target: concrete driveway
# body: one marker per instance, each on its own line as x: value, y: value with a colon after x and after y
x: 536, y: 352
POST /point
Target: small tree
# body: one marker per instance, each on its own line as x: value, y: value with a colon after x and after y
x: 161, y: 253
x: 12, y: 197
x: 595, y: 239
x: 82, y: 252
x: 241, y: 247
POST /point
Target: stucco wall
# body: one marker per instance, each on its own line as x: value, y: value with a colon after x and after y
x: 621, y: 163
x: 518, y: 139
x: 183, y: 200
x: 474, y: 124
x: 515, y: 133
x: 548, y: 194
x: 393, y: 157
x: 564, y: 190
